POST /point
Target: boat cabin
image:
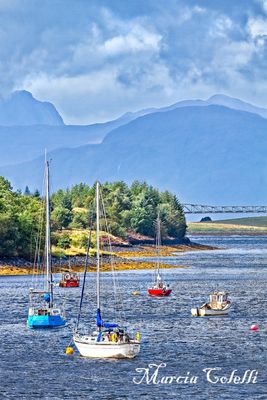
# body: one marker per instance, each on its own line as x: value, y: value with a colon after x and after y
x: 218, y: 299
x: 70, y: 279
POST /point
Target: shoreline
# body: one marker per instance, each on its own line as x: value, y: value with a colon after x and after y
x: 229, y: 233
x: 129, y: 266
x: 123, y: 260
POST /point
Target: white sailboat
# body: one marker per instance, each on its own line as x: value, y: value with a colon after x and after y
x: 108, y: 340
x: 43, y: 312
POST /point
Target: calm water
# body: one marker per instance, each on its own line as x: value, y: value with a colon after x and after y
x: 33, y: 364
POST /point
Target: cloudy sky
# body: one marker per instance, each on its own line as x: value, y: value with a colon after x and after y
x: 98, y: 59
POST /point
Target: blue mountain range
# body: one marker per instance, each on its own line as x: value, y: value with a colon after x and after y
x: 212, y: 151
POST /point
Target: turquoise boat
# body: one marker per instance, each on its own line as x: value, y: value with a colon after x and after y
x: 43, y: 311
x: 46, y: 314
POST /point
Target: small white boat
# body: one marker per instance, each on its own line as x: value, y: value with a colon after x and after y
x: 108, y: 340
x: 219, y: 304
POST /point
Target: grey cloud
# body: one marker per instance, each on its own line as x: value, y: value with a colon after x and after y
x: 98, y: 59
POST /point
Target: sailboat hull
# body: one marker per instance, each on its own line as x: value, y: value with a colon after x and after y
x: 70, y: 283
x: 107, y: 350
x: 159, y: 292
x: 45, y: 321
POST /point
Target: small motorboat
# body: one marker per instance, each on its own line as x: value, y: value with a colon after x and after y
x: 159, y: 287
x: 219, y: 304
x: 70, y: 279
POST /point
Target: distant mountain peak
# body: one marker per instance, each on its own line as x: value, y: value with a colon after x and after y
x: 220, y: 96
x: 21, y: 94
x: 236, y: 104
x: 216, y: 99
x: 21, y: 108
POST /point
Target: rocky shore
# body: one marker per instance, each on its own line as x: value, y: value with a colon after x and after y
x: 124, y: 258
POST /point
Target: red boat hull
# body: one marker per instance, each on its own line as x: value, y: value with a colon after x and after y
x: 159, y: 292
x: 69, y: 283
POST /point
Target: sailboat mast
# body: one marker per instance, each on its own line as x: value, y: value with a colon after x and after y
x: 49, y: 287
x: 97, y: 248
x: 158, y: 243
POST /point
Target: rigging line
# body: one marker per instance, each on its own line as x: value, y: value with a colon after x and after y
x: 97, y: 248
x: 84, y: 273
x: 159, y: 244
x: 40, y: 225
x: 117, y: 294
x: 38, y: 240
x: 49, y: 275
x: 101, y: 240
x: 40, y: 260
x: 39, y: 266
x: 109, y: 246
x: 156, y: 263
x: 54, y: 269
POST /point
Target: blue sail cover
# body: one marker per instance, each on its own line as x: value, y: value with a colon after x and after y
x: 47, y: 297
x: 101, y: 324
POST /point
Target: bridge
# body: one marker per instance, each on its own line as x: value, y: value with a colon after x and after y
x: 204, y: 209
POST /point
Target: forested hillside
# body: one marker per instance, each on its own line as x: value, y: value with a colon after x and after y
x: 129, y: 209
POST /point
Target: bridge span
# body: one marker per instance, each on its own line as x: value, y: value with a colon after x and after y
x: 204, y: 209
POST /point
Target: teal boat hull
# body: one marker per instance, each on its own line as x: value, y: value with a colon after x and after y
x: 45, y: 321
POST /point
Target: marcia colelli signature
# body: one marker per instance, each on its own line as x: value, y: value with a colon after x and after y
x: 154, y: 374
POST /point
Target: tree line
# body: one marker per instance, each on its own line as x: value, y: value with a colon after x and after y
x: 131, y: 208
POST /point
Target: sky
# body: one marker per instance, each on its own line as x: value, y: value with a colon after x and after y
x: 96, y: 60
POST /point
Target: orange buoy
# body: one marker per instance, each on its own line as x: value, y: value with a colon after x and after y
x: 254, y: 327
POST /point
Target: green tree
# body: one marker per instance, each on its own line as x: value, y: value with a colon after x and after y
x: 27, y: 191
x: 61, y: 217
x: 36, y: 194
x: 64, y: 241
x: 62, y: 199
x: 80, y: 220
x: 9, y: 234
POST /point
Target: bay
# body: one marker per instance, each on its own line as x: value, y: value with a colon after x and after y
x: 34, y: 366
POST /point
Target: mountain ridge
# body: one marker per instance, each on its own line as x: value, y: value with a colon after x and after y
x: 212, y: 154
x: 20, y: 108
x: 29, y: 141
x: 216, y: 99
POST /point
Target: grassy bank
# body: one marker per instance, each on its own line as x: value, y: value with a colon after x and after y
x: 165, y: 251
x: 225, y: 228
x: 246, y: 221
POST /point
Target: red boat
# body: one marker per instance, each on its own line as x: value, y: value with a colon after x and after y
x: 69, y: 279
x: 159, y: 288
x: 159, y: 292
